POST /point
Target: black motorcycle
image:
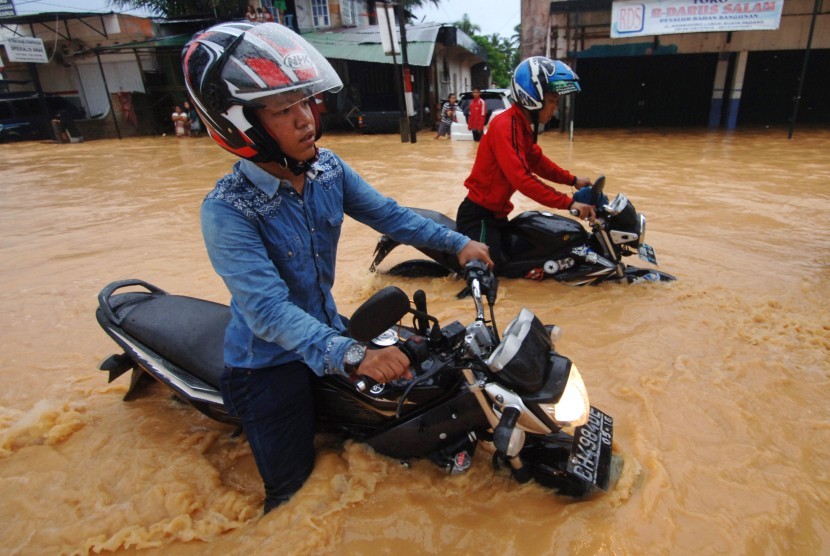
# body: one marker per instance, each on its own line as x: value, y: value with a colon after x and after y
x: 540, y: 245
x: 512, y: 395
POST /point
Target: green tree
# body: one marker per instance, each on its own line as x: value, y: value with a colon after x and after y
x: 498, y: 58
x: 515, y: 44
x: 468, y: 26
x: 219, y: 9
x: 502, y: 53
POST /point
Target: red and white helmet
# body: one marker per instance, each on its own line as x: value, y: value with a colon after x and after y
x: 231, y: 67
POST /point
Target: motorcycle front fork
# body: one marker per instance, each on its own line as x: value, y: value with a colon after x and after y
x: 608, y: 252
x: 476, y: 387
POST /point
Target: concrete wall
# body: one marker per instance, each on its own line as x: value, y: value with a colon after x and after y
x: 104, y: 127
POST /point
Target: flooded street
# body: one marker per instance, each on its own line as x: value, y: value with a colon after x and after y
x: 718, y: 383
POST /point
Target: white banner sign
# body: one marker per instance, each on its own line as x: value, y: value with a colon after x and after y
x: 26, y: 50
x: 633, y: 18
x: 6, y: 8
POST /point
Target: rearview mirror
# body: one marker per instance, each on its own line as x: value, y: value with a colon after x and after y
x: 597, y: 192
x: 378, y: 314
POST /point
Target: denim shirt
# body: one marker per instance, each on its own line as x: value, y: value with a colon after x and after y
x: 276, y: 249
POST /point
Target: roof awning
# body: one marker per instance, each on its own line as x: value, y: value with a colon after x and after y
x: 173, y: 41
x: 362, y: 44
x: 49, y: 19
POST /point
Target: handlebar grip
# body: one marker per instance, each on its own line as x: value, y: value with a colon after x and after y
x: 415, y: 349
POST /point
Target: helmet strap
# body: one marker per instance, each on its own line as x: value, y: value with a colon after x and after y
x: 534, y: 121
x: 298, y: 167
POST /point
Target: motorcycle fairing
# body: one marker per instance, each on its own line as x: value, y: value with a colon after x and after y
x: 426, y: 432
x: 340, y: 404
x: 624, y: 216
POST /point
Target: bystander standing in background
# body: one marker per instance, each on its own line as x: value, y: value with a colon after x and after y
x: 478, y: 114
x: 180, y: 122
x: 447, y: 117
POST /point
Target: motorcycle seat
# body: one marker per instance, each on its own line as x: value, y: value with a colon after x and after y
x: 186, y: 331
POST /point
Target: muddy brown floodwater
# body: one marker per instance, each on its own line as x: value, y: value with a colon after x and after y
x: 718, y: 383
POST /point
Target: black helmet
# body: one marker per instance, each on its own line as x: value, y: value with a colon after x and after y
x: 231, y: 67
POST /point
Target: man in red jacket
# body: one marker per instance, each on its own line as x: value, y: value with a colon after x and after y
x: 478, y: 113
x: 509, y: 159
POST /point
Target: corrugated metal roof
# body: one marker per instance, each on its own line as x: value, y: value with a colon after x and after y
x: 363, y: 44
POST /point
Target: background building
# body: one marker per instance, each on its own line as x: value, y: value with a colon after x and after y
x: 122, y: 76
x: 720, y: 79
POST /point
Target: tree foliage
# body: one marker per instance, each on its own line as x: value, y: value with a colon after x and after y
x: 502, y: 53
x: 409, y: 4
x: 468, y: 26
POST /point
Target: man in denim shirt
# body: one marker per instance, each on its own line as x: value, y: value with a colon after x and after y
x: 271, y: 228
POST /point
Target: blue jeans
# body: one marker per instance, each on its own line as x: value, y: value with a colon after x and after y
x: 276, y: 407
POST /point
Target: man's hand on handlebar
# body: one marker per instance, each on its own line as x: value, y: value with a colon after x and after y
x: 475, y: 250
x: 583, y: 182
x: 583, y: 210
x: 385, y: 365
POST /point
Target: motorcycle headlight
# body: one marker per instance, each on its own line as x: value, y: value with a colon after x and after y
x: 573, y: 406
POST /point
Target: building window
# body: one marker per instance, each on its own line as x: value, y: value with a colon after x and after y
x: 320, y: 13
x: 348, y: 10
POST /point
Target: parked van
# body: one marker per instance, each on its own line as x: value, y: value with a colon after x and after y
x: 22, y: 117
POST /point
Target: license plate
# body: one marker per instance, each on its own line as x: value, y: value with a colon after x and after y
x: 590, y: 458
x: 647, y: 253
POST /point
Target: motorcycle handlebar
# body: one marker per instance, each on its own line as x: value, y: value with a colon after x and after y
x: 478, y: 270
x: 574, y: 212
x: 415, y: 349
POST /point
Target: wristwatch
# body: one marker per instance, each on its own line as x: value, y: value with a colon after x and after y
x: 355, y: 354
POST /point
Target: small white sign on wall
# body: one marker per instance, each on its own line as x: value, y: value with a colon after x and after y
x: 26, y: 49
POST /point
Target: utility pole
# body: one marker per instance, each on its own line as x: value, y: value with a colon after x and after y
x: 404, y: 119
x: 407, y: 77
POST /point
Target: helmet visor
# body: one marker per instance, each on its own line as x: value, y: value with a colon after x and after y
x: 270, y: 59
